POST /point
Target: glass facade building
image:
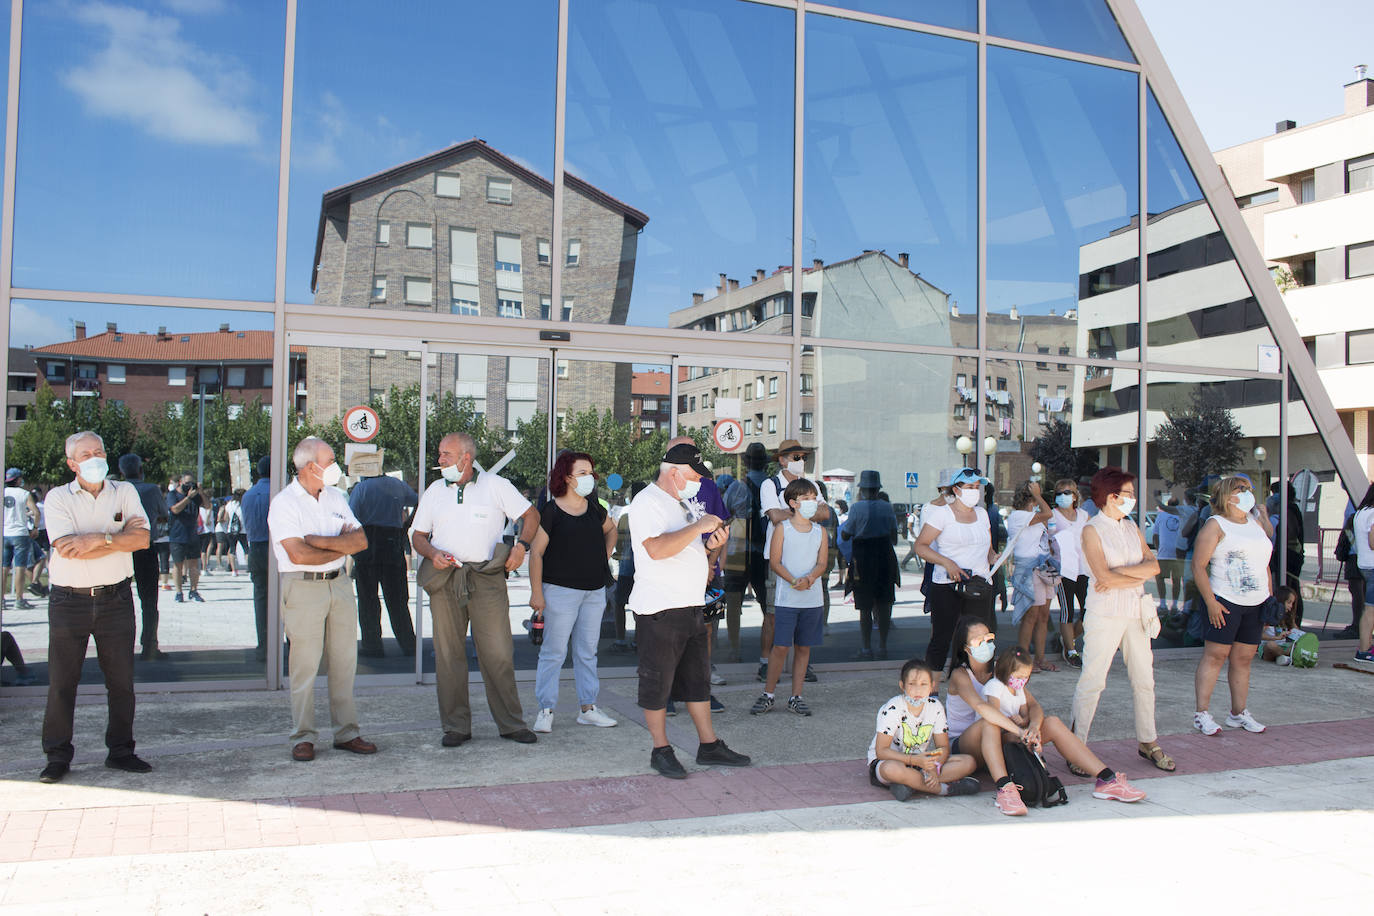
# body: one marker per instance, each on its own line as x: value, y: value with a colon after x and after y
x: 911, y: 236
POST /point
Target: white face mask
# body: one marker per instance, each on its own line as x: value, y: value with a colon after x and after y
x: 93, y: 470
x: 970, y: 496
x: 689, y: 489
x: 1127, y: 504
x: 807, y: 507
x: 331, y: 475
x: 1064, y: 500
x: 1245, y: 500
x: 452, y: 473
x: 585, y: 484
x: 795, y: 468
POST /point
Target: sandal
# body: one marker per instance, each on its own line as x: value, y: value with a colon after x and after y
x: 1078, y: 771
x: 1047, y: 666
x: 1155, y: 754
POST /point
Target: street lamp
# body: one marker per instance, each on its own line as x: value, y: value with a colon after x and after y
x: 989, y: 449
x: 1260, y: 454
x: 1036, y: 468
x: 964, y: 446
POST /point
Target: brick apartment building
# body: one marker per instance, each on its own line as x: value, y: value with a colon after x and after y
x: 651, y: 401
x: 466, y: 231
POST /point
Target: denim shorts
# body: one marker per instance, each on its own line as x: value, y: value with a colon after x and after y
x: 798, y: 626
x: 16, y: 551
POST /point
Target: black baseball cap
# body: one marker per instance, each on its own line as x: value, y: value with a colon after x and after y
x: 689, y: 455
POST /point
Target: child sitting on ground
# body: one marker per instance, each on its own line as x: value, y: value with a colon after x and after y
x: 1008, y: 689
x: 910, y: 751
x: 1276, y: 641
x: 797, y: 555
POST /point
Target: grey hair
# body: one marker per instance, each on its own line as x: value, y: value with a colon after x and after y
x: 307, y: 450
x: 664, y: 467
x: 76, y: 437
x: 466, y: 444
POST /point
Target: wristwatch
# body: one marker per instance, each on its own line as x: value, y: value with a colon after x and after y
x: 109, y: 539
x: 524, y: 545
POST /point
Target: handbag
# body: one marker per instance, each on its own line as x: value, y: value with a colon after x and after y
x: 1149, y: 616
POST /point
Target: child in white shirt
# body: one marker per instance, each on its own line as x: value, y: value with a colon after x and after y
x: 909, y: 752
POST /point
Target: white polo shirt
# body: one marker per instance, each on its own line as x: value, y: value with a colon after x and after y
x: 676, y: 581
x: 71, y: 510
x: 294, y: 513
x: 469, y: 530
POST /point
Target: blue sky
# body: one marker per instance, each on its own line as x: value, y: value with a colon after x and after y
x: 148, y: 160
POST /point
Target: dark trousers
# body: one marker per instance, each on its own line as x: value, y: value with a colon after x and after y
x: 72, y: 620
x: 145, y: 578
x: 257, y: 571
x: 945, y: 606
x: 383, y: 564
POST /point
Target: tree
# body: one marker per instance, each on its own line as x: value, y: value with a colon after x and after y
x: 38, y: 447
x: 1201, y: 440
x: 1054, y: 449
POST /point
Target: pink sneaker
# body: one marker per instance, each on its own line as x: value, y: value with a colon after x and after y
x: 1008, y: 800
x: 1118, y: 789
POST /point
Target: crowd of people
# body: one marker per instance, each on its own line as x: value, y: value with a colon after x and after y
x: 690, y: 546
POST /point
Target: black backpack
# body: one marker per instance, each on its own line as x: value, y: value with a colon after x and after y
x: 1027, y: 770
x: 1346, y: 542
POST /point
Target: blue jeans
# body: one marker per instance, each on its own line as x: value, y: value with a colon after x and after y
x: 569, y: 613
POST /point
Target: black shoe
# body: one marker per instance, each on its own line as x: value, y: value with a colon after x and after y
x: 665, y: 762
x: 195, y: 596
x: 863, y: 655
x: 716, y: 705
x: 966, y: 786
x: 720, y: 755
x: 901, y: 792
x: 180, y: 597
x: 54, y: 772
x: 153, y: 655
x: 453, y: 739
x: 38, y: 589
x: 763, y: 672
x: 811, y: 675
x: 522, y: 736
x: 129, y: 763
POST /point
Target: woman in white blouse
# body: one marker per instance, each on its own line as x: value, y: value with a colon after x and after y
x: 1067, y: 521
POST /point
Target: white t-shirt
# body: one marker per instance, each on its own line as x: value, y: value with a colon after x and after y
x: 912, y: 731
x: 1167, y: 525
x: 1010, y: 702
x: 1364, y: 520
x: 670, y: 582
x: 1032, y: 544
x: 1068, y: 535
x: 469, y: 530
x: 1239, y: 569
x: 965, y: 544
x: 294, y: 513
x: 770, y: 496
x: 16, y: 514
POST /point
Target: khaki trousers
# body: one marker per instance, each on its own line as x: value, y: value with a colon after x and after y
x: 321, y: 620
x: 1102, y: 636
x: 474, y: 596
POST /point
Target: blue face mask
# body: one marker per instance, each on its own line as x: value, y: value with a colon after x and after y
x: 1064, y: 500
x: 983, y: 652
x: 585, y: 484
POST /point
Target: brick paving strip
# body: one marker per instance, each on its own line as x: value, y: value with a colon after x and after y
x: 312, y: 820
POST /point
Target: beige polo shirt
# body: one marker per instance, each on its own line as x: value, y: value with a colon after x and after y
x: 71, y: 510
x: 469, y: 530
x: 294, y: 513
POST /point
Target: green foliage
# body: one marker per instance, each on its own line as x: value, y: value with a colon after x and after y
x: 37, y: 447
x: 1054, y: 449
x: 1198, y: 441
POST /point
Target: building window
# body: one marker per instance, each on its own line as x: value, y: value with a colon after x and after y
x: 1359, y: 174
x: 1258, y: 199
x: 236, y: 378
x: 692, y: 404
x: 574, y: 253
x: 806, y: 422
x: 758, y: 388
x: 747, y: 392
x: 1042, y: 350
x: 772, y: 423
x: 508, y: 262
x: 958, y: 411
x: 378, y: 288
x: 1001, y: 384
x: 543, y: 249
x: 378, y: 354
x: 1061, y: 391
x: 208, y: 375
x: 545, y: 307
x: 522, y: 390
x: 508, y: 306
x: 114, y: 374
x: 566, y: 314
x: 267, y: 377
x: 748, y: 426
x: 85, y: 370
x: 472, y: 382
x: 419, y: 291
x: 650, y: 404
x: 462, y: 255
x: 176, y: 375
x: 1042, y: 391
x: 463, y: 299
x: 562, y: 368
x: 807, y: 385
x: 1307, y: 190
x: 773, y: 387
x: 961, y: 380
x: 1359, y: 260
x: 383, y: 232
x: 1359, y: 347
x: 498, y: 190
x: 447, y: 184
x: 419, y: 235
x: 56, y: 372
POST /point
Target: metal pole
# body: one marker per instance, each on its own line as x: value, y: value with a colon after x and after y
x: 200, y: 441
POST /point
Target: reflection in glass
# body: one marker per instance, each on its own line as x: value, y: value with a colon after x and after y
x: 954, y: 14
x: 380, y: 190
x: 1063, y: 201
x: 891, y: 187
x: 148, y: 148
x: 1201, y: 309
x: 684, y: 112
x: 1087, y: 26
x: 153, y: 382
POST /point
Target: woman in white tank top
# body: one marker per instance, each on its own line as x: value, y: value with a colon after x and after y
x: 1231, y: 569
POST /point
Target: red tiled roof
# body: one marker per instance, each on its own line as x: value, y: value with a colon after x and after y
x: 650, y: 383
x: 197, y: 347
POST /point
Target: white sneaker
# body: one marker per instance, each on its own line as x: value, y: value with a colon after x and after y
x: 594, y: 716
x: 1244, y: 720
x: 1204, y: 723
x: 543, y: 723
x: 1283, y: 661
x: 717, y: 680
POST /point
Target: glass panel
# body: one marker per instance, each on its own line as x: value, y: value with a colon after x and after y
x: 1087, y: 26
x: 1063, y: 200
x: 679, y: 154
x: 133, y: 374
x: 1200, y: 427
x: 390, y: 172
x: 891, y: 185
x: 954, y: 14
x: 1331, y: 590
x: 148, y: 154
x: 1201, y: 309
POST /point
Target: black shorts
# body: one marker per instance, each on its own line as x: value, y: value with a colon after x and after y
x: 164, y: 556
x: 183, y: 552
x: 1241, y: 625
x: 674, y: 657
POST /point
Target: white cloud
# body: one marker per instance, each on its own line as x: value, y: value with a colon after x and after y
x: 151, y: 76
x: 195, y: 7
x: 30, y: 327
x: 330, y: 138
